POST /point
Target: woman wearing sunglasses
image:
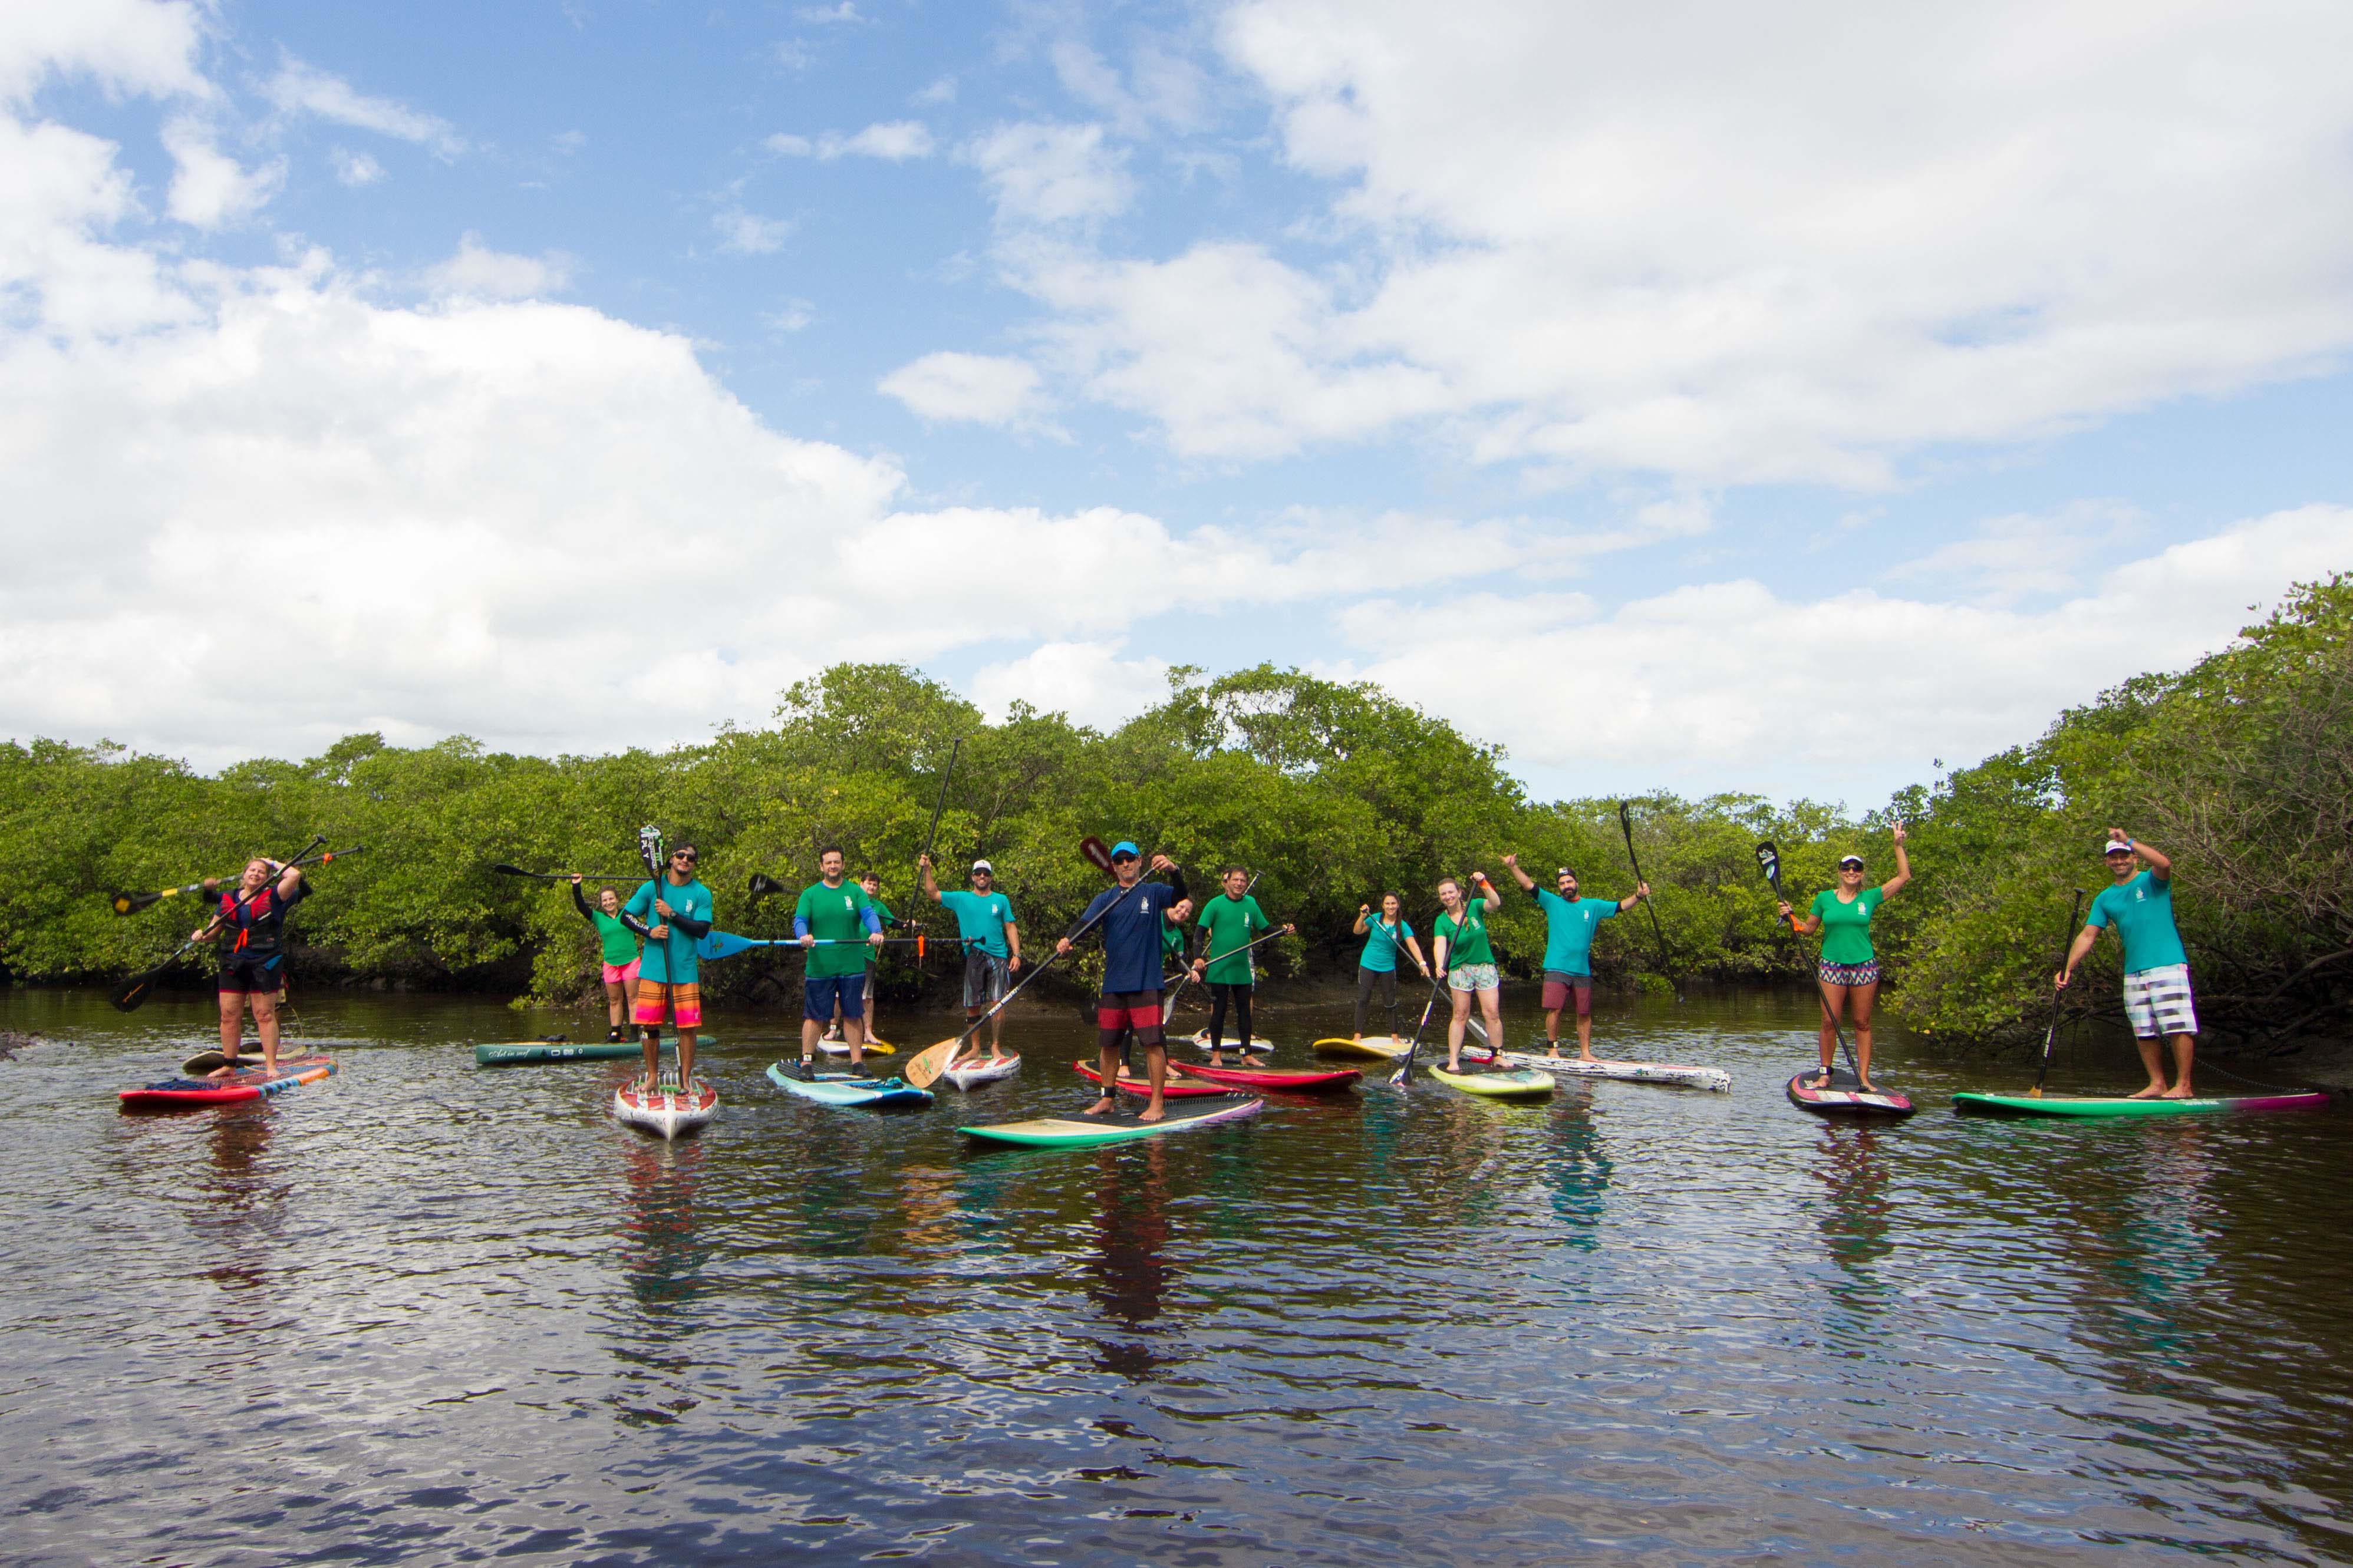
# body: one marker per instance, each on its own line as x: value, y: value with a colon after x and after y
x: 1849, y: 970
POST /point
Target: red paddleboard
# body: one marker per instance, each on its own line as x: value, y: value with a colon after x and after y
x: 1323, y: 1081
x: 1175, y: 1089
x: 246, y: 1083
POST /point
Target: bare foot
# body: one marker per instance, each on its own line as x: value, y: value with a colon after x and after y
x: 1869, y: 1087
x: 223, y: 1070
x: 1552, y: 1055
x: 2178, y: 1091
x: 2154, y: 1092
x: 1822, y: 1080
x: 1152, y: 1112
x: 1098, y: 1108
x: 1587, y: 1057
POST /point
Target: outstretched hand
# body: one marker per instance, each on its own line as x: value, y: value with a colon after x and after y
x: 1896, y: 832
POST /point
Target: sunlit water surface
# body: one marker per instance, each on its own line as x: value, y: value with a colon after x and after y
x: 427, y: 1313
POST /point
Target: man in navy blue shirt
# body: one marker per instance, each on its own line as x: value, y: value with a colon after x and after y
x: 1131, y: 986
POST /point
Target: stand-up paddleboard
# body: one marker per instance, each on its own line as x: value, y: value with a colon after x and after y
x: 1174, y: 1088
x: 1670, y: 1074
x: 527, y: 1053
x: 1115, y: 1127
x: 2117, y: 1105
x: 841, y: 1048
x: 669, y: 1110
x: 246, y: 1083
x: 849, y: 1088
x: 1258, y: 1042
x: 1326, y: 1081
x: 973, y: 1074
x: 1521, y: 1083
x: 1844, y: 1097
x: 1390, y: 1048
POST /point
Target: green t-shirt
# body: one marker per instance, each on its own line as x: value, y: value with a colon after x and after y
x: 1846, y: 926
x: 1172, y: 939
x: 1227, y: 924
x: 1466, y: 940
x: 835, y: 914
x: 2142, y: 911
x: 620, y: 944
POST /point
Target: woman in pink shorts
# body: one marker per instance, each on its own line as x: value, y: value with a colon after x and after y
x: 621, y: 951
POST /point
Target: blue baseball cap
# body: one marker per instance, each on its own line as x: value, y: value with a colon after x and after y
x: 1126, y: 846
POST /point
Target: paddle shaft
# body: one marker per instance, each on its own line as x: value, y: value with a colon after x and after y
x: 506, y: 870
x: 2058, y: 997
x: 1047, y: 962
x: 931, y: 834
x: 1626, y: 825
x: 1404, y: 1074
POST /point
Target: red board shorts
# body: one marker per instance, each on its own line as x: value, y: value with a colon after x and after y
x: 622, y: 974
x: 685, y: 1002
x: 1120, y: 1011
x: 1559, y: 985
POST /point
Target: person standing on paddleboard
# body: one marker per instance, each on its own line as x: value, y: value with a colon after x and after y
x: 1458, y: 942
x: 1848, y: 969
x: 1227, y: 922
x: 992, y: 947
x: 2156, y: 968
x: 1376, y: 965
x: 871, y: 884
x: 675, y: 912
x: 1130, y: 984
x: 619, y: 945
x: 253, y: 959
x: 1569, y: 924
x: 839, y: 915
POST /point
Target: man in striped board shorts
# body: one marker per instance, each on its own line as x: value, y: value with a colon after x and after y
x: 2156, y: 970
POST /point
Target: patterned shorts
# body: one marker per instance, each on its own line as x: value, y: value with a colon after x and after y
x: 685, y: 1008
x: 2158, y: 1002
x: 1475, y: 978
x: 1849, y: 973
x: 985, y: 977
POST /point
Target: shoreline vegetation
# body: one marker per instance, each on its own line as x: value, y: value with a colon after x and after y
x: 2241, y: 767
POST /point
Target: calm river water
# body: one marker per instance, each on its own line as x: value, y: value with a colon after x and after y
x: 421, y: 1314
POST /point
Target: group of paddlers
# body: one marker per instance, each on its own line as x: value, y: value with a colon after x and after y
x: 649, y: 955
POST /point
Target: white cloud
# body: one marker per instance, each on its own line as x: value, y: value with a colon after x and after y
x: 209, y: 188
x: 982, y: 389
x: 896, y: 140
x: 820, y: 16
x: 2014, y: 557
x: 1840, y: 697
x: 1789, y: 245
x: 1051, y: 174
x: 356, y: 169
x: 134, y: 46
x: 477, y: 272
x: 304, y: 88
x: 1087, y: 680
x: 942, y: 89
x: 747, y: 234
x: 791, y: 316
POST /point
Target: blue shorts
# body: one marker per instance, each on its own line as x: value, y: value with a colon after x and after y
x: 818, y: 997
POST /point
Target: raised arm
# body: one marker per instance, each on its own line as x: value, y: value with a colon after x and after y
x: 1487, y: 893
x: 2160, y: 865
x: 1641, y: 890
x: 1895, y: 884
x: 292, y: 878
x: 931, y: 886
x: 1364, y: 914
x: 1527, y: 883
x: 581, y: 903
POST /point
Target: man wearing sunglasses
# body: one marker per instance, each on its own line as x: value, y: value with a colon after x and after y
x: 674, y: 914
x: 1133, y: 917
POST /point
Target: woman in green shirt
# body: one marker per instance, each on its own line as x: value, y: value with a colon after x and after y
x: 1848, y: 971
x: 1458, y: 947
x: 619, y: 944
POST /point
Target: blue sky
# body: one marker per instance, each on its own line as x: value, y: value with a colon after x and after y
x: 1761, y: 406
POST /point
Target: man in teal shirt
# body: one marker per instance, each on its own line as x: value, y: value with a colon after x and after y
x: 992, y: 946
x: 1569, y: 924
x: 2156, y: 970
x: 674, y: 914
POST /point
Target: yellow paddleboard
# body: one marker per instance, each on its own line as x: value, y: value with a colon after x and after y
x: 1378, y: 1047
x: 1526, y: 1083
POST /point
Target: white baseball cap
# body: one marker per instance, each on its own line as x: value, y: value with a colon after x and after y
x: 983, y: 866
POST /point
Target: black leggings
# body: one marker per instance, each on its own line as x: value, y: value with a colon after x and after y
x: 1241, y: 1000
x: 1367, y: 979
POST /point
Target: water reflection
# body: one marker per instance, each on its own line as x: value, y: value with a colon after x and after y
x: 1128, y: 1272
x: 1579, y: 1170
x: 663, y: 1246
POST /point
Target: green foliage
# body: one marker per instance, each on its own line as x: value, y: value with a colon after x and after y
x: 1333, y: 793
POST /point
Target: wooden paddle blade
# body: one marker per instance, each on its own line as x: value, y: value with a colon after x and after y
x: 925, y: 1069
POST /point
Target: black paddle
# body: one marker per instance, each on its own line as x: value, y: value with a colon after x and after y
x: 1404, y: 1074
x: 930, y: 840
x: 132, y: 903
x: 131, y: 994
x: 1626, y: 825
x: 506, y: 870
x: 926, y: 1065
x: 1768, y: 860
x: 2058, y: 997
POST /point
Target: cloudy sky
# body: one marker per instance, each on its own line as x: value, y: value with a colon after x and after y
x: 1776, y: 398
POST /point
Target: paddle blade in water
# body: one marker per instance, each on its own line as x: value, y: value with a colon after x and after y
x: 133, y: 992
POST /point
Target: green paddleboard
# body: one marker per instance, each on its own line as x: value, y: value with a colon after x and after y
x: 2117, y: 1105
x: 1083, y: 1131
x: 528, y: 1053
